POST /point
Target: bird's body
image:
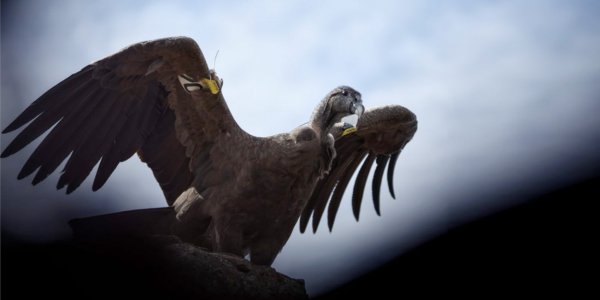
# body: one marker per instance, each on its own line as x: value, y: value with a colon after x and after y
x: 256, y: 205
x: 227, y: 190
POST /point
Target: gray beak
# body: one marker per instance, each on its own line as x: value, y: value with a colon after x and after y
x: 358, y: 109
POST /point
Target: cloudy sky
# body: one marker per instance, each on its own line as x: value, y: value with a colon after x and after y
x: 506, y: 93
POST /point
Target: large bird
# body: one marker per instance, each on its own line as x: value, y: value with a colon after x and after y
x: 228, y: 190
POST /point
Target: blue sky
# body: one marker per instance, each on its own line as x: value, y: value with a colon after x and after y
x: 506, y: 93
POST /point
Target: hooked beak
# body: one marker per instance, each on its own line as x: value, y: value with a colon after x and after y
x: 358, y: 109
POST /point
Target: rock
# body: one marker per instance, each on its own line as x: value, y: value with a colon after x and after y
x: 185, y: 271
x: 205, y: 275
x: 156, y: 267
x: 146, y: 240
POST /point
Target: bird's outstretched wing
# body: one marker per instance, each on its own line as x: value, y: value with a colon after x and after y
x: 382, y: 134
x: 156, y: 98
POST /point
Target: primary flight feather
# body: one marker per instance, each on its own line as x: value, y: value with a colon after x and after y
x: 228, y: 191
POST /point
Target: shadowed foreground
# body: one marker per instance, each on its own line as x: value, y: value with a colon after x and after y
x: 161, y: 267
x: 542, y: 247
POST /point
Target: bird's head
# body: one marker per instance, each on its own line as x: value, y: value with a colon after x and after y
x: 340, y: 102
x: 345, y: 101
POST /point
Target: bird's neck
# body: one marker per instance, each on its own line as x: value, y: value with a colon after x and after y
x: 323, y: 119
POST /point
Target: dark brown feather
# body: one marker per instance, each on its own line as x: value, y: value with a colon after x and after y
x: 340, y: 188
x: 359, y: 185
x: 338, y: 179
x: 128, y: 124
x: 70, y: 130
x: 92, y: 146
x: 377, y: 176
x: 57, y: 96
x: 70, y: 123
x: 166, y: 157
x: 45, y: 119
x: 390, y: 173
x: 322, y: 191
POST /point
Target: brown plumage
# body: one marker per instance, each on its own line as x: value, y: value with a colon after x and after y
x: 228, y: 190
x: 382, y: 133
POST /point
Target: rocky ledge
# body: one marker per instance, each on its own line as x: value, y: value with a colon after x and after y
x: 160, y: 267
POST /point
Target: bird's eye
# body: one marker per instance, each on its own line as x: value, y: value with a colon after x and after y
x: 344, y: 93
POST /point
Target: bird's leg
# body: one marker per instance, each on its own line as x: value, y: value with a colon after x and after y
x: 263, y: 252
x: 226, y: 238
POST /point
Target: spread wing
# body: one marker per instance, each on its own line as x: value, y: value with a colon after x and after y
x: 130, y: 102
x: 382, y: 134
